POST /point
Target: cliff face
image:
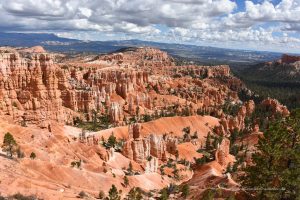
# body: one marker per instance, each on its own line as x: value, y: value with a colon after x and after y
x: 30, y: 88
x: 36, y: 89
x: 222, y: 153
x: 144, y: 149
x: 229, y: 124
x: 286, y: 69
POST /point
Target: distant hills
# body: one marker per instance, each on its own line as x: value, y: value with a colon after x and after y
x: 279, y: 79
x: 284, y: 70
x: 198, y: 54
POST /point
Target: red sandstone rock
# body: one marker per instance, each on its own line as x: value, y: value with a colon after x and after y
x: 123, y: 85
x: 139, y: 57
x: 222, y: 153
x: 274, y: 106
x: 289, y: 59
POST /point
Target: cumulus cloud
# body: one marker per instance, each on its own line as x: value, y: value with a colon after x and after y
x: 195, y: 21
x: 131, y: 15
x: 286, y: 11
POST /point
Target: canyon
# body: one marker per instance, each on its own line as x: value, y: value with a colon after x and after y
x: 92, y: 120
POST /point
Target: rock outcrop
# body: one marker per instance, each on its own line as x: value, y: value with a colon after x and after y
x: 289, y: 59
x: 30, y: 88
x: 275, y: 107
x: 151, y: 165
x: 228, y: 124
x: 35, y: 89
x: 222, y: 153
x: 140, y: 149
x: 138, y: 57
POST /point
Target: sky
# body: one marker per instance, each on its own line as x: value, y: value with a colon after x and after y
x: 268, y: 25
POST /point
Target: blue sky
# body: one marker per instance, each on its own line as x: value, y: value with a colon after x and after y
x: 241, y: 3
x: 271, y: 25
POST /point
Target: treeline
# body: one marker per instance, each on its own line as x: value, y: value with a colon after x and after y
x: 267, y: 83
x: 288, y: 95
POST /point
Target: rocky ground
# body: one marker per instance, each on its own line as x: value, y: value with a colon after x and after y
x: 92, y: 120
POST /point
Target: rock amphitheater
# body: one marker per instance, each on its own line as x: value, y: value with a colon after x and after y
x: 93, y: 120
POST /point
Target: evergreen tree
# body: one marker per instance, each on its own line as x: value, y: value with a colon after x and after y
x: 126, y: 181
x: 176, y: 155
x: 195, y: 136
x: 216, y: 142
x: 186, y: 135
x: 113, y: 193
x: 32, y: 155
x: 9, y: 144
x: 276, y: 164
x: 185, y: 190
x: 164, y: 194
x: 234, y: 150
x: 130, y: 168
x: 101, y: 195
x: 135, y: 194
x: 176, y: 173
x: 235, y: 167
x: 208, y: 195
x: 112, y: 140
x: 228, y: 169
x: 147, y: 118
x: 82, y: 195
x: 162, y: 171
x: 233, y: 136
x: 94, y: 116
x: 208, y: 142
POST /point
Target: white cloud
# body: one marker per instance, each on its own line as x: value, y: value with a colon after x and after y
x: 287, y: 11
x: 196, y: 21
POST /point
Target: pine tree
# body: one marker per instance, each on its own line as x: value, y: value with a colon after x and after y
x: 176, y: 155
x: 277, y: 161
x: 113, y: 193
x: 208, y: 142
x: 233, y: 136
x: 135, y: 194
x: 32, y: 155
x: 9, y: 144
x: 187, y: 130
x: 216, y: 142
x: 101, y: 195
x: 208, y: 195
x: 185, y: 190
x: 195, y: 136
x: 126, y: 181
x: 235, y: 167
x: 228, y: 169
x: 162, y: 171
x: 112, y: 140
x: 164, y: 194
x: 94, y: 118
x: 130, y: 168
x: 176, y: 173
